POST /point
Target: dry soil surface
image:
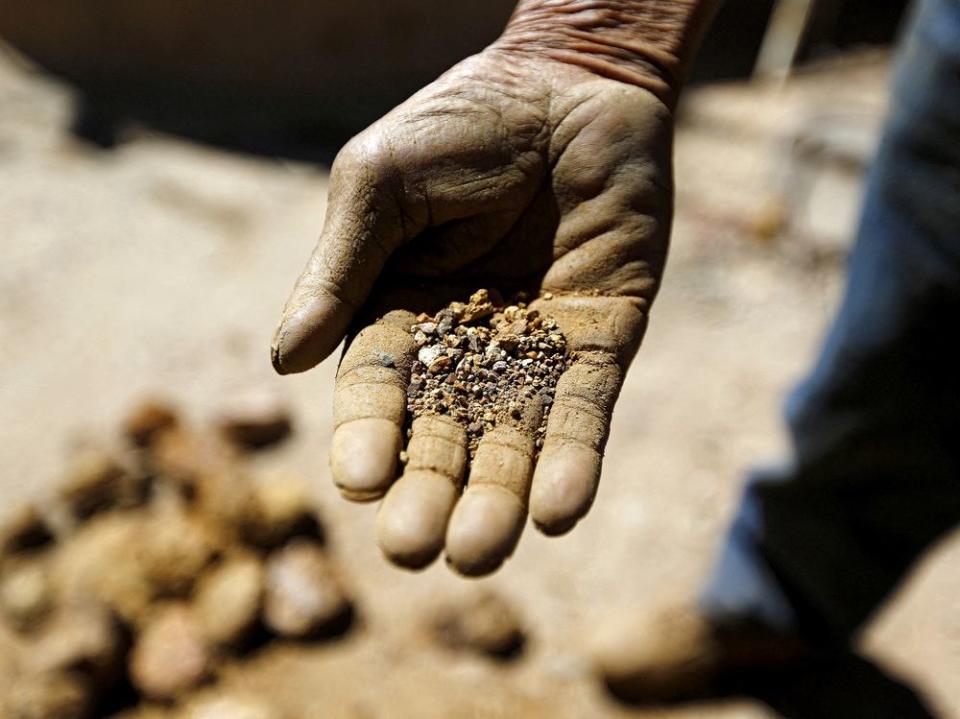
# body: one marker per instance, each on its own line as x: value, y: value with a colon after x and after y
x: 160, y: 268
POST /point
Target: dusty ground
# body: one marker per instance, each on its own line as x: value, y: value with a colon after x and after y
x: 161, y: 267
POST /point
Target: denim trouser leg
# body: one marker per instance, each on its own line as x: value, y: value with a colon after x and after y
x: 875, y: 476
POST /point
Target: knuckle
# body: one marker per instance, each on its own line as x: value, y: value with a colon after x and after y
x: 367, y: 160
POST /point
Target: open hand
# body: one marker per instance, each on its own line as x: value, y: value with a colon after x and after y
x: 514, y: 172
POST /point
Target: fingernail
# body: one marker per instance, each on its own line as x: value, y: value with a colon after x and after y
x: 483, y: 531
x: 307, y: 335
x: 564, y: 486
x: 363, y: 457
x: 275, y: 355
x: 413, y: 518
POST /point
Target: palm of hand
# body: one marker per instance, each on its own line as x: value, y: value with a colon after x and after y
x: 507, y: 172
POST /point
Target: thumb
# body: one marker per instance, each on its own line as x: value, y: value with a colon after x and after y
x: 363, y: 226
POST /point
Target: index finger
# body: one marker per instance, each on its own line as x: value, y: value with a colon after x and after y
x: 369, y: 406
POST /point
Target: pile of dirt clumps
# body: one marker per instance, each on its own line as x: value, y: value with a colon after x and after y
x: 482, y: 622
x: 154, y: 566
x: 481, y: 362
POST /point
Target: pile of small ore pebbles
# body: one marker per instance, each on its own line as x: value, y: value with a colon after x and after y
x: 479, y: 362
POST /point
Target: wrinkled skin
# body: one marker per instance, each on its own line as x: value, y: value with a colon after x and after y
x: 513, y: 172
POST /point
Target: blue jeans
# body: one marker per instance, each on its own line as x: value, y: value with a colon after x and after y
x: 875, y: 474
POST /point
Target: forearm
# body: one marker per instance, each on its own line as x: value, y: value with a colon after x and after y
x: 650, y: 43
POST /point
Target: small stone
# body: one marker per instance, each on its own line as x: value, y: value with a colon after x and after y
x: 82, y: 637
x: 147, y: 421
x: 484, y: 623
x: 385, y: 359
x: 230, y: 706
x: 517, y: 327
x: 188, y: 459
x: 26, y: 594
x: 304, y: 595
x: 480, y: 306
x: 102, y: 562
x: 173, y: 551
x: 226, y: 603
x: 170, y: 656
x: 95, y: 482
x: 24, y: 530
x: 440, y: 364
x: 279, y: 507
x: 509, y: 342
x: 428, y: 328
x: 429, y: 354
x: 49, y: 695
x: 255, y: 419
x: 147, y: 711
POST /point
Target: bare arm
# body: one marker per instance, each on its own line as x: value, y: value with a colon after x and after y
x: 648, y: 43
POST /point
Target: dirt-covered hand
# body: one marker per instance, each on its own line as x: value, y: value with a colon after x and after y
x: 516, y: 172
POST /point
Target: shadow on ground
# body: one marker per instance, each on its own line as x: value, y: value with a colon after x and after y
x: 840, y: 686
x: 830, y: 686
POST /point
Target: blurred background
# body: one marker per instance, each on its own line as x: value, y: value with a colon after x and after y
x: 163, y: 170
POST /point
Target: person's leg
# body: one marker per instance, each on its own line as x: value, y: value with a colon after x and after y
x: 876, y: 473
x: 875, y: 476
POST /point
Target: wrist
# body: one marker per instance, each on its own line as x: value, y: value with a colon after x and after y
x: 648, y: 43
